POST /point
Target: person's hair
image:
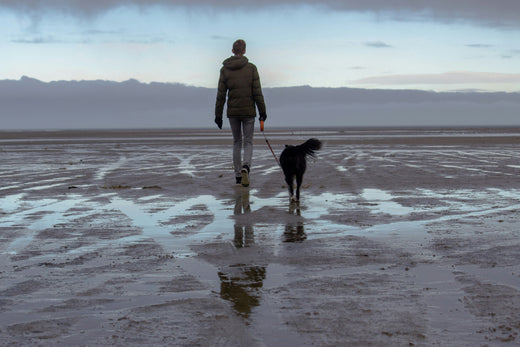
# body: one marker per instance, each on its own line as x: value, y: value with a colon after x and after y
x: 239, y: 47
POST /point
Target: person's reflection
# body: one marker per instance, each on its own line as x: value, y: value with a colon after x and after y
x: 242, y: 201
x: 244, y: 235
x: 294, y: 229
x: 241, y: 283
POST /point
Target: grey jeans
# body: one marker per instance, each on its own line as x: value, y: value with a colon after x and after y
x: 243, y: 129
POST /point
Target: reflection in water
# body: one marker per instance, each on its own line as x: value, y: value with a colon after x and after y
x: 294, y: 208
x: 242, y: 205
x: 294, y: 231
x: 240, y: 284
x: 244, y: 235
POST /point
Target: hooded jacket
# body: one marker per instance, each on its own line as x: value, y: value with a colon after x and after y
x: 239, y: 80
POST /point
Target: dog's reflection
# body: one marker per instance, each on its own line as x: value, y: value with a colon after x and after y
x: 294, y: 208
x: 294, y: 230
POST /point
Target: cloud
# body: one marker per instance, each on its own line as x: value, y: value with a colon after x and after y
x: 456, y: 77
x: 512, y: 53
x: 505, y: 13
x: 37, y: 40
x: 219, y: 37
x: 479, y: 45
x: 96, y: 37
x: 377, y: 44
x: 102, y: 32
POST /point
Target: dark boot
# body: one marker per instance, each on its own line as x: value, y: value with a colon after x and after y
x: 245, y: 176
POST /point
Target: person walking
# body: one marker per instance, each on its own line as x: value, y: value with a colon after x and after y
x: 240, y: 83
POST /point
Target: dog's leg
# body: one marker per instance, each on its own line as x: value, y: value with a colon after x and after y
x: 299, y: 179
x: 289, y: 182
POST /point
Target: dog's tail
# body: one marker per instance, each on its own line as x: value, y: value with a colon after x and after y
x: 309, y: 146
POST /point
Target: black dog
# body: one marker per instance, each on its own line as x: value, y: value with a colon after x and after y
x: 293, y: 162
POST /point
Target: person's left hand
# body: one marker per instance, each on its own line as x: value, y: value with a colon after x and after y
x: 218, y: 122
x: 263, y: 117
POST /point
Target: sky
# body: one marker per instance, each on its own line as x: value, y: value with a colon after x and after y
x: 441, y: 45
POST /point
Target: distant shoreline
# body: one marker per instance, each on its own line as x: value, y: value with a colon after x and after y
x: 347, y: 135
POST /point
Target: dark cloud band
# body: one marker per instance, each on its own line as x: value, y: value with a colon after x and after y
x: 503, y: 13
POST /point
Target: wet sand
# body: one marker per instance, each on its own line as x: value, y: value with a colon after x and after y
x: 403, y: 237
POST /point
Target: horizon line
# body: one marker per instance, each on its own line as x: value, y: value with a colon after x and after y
x: 134, y: 80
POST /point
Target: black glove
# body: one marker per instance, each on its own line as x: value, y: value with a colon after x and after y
x: 263, y: 117
x: 218, y: 122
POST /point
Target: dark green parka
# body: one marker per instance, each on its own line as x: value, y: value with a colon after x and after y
x: 240, y: 81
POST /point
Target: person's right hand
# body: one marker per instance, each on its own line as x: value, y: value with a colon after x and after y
x: 218, y: 122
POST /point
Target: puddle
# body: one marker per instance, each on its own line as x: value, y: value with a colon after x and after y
x: 11, y: 203
x: 169, y: 222
x: 103, y: 171
x: 513, y: 194
x: 150, y: 197
x: 48, y: 186
x: 36, y: 216
x: 382, y: 202
x: 242, y: 285
x: 203, y: 271
x: 185, y: 165
x: 240, y: 222
x: 294, y: 232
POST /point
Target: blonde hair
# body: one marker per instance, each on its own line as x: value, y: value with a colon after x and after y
x: 239, y: 47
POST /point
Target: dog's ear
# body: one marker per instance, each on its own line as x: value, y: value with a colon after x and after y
x: 286, y: 146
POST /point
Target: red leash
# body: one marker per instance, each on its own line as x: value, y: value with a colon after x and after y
x: 268, y: 144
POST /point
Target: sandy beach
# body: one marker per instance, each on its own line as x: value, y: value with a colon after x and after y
x: 403, y: 237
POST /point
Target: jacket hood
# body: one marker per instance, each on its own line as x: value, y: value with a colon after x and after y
x: 235, y: 62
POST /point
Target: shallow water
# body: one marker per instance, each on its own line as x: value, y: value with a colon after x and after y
x: 390, y: 244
